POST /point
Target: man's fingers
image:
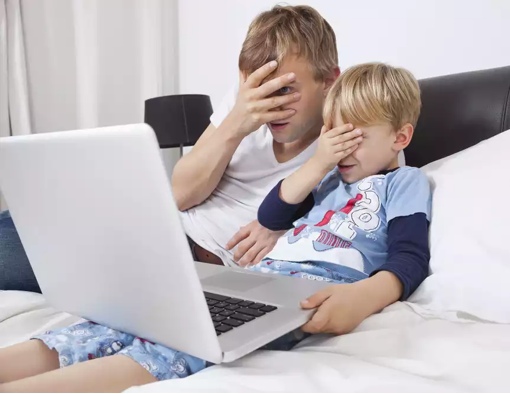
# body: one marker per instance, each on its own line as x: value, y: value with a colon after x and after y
x: 278, y: 101
x: 238, y: 237
x: 259, y: 257
x: 273, y: 85
x: 250, y: 255
x: 255, y: 79
x: 243, y: 247
x: 274, y: 116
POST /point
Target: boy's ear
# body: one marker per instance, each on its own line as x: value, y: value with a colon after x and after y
x: 330, y: 79
x: 403, y: 137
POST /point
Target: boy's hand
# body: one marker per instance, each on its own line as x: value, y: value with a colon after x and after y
x: 340, y: 309
x: 253, y: 242
x: 336, y: 144
x: 256, y: 102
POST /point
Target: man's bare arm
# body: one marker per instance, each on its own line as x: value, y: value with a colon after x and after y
x: 197, y: 174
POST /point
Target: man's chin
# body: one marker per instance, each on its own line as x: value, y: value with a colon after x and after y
x: 281, y: 138
x: 285, y: 137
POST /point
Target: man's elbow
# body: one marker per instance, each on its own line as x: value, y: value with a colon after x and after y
x: 183, y: 203
x: 185, y: 196
x: 180, y: 199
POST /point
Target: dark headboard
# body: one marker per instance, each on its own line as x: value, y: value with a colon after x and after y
x: 458, y: 111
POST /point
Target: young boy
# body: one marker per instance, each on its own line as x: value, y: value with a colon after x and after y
x: 355, y: 217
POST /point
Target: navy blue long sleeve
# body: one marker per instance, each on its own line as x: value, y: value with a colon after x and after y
x: 408, y: 251
x: 275, y: 214
x: 407, y: 238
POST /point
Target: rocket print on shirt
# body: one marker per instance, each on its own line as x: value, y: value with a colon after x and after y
x: 337, y: 229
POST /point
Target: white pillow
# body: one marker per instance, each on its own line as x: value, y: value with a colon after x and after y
x: 470, y: 234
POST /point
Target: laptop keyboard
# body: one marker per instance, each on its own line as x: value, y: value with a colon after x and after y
x: 228, y: 313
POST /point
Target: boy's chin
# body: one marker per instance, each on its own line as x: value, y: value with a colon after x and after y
x: 351, y: 178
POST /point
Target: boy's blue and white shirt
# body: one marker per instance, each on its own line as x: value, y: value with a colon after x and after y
x: 347, y: 228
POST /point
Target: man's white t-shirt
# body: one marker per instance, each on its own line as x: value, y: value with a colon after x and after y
x: 250, y: 175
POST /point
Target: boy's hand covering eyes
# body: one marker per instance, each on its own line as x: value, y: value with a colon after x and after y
x: 335, y: 145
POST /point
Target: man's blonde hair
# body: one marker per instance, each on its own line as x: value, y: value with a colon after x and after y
x: 374, y: 93
x: 290, y: 30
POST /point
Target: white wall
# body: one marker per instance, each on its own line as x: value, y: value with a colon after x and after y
x: 429, y: 37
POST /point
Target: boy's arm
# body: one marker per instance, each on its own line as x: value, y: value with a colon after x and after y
x: 197, y: 174
x: 341, y: 308
x: 333, y: 146
x: 296, y: 187
x: 292, y: 198
x: 408, y: 251
x: 276, y: 214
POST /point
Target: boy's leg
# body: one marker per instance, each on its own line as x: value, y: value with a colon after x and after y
x: 26, y: 359
x: 86, y: 349
x: 108, y: 374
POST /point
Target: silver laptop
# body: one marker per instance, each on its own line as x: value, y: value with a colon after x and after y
x: 95, y: 212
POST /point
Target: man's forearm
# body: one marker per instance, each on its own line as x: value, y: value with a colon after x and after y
x: 197, y: 174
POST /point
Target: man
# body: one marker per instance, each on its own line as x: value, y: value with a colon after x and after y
x: 263, y: 131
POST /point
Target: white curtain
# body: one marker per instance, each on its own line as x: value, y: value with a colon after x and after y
x: 89, y: 63
x: 93, y: 62
x: 14, y: 99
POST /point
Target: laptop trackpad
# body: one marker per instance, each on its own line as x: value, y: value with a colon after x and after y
x: 236, y: 281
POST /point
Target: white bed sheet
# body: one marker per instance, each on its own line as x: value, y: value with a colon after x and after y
x: 23, y: 314
x: 396, y: 350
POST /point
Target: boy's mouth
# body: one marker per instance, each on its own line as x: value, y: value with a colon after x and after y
x: 343, y: 168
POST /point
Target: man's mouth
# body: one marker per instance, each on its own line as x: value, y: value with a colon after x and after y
x: 278, y: 126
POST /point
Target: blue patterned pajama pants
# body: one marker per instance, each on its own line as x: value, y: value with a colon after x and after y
x: 88, y: 340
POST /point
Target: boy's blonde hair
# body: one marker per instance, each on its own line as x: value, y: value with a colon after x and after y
x: 287, y: 30
x: 374, y: 93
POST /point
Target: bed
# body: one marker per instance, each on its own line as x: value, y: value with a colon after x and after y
x: 454, y: 332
